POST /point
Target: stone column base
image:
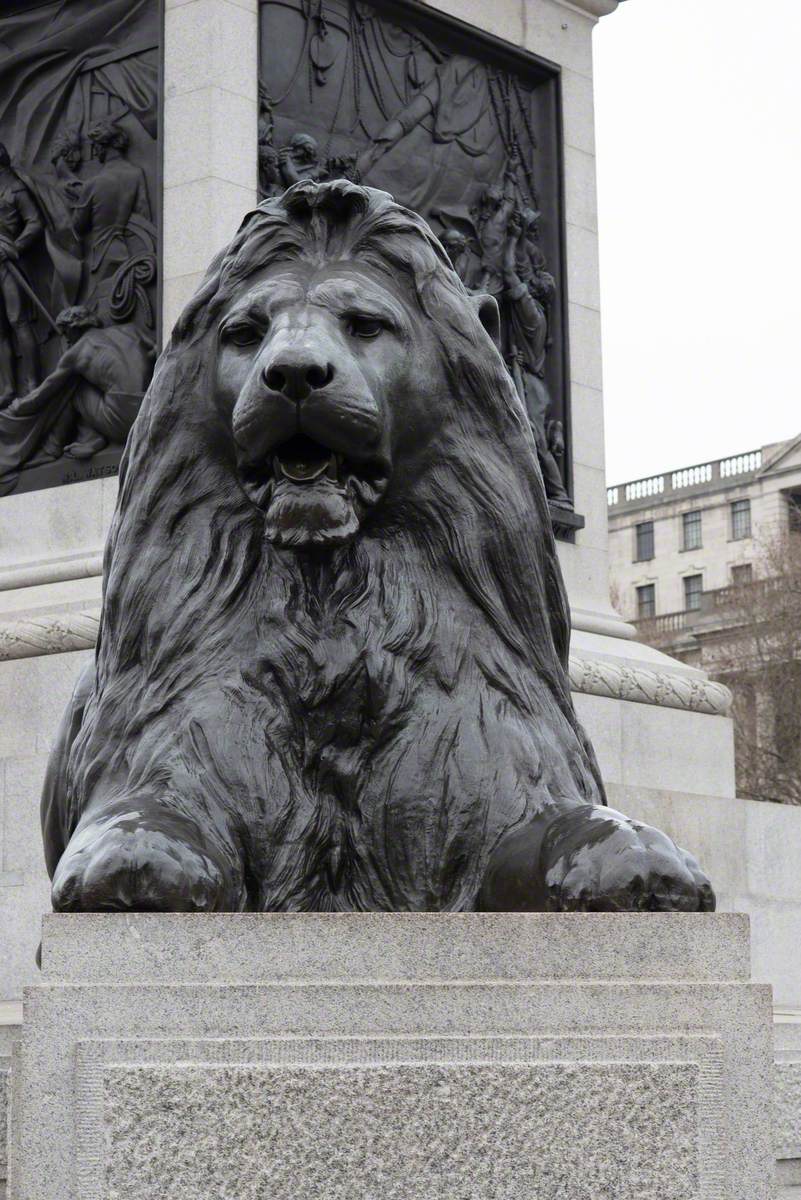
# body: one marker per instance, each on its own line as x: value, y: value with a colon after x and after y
x: 383, y: 1056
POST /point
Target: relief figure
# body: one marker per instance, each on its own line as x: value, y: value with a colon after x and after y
x: 91, y: 397
x: 301, y: 160
x: 79, y: 101
x: 20, y: 227
x: 112, y: 211
x: 526, y: 336
x: 459, y: 249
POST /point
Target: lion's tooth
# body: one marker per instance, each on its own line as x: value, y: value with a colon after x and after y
x: 303, y: 471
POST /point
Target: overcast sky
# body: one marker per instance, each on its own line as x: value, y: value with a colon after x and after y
x: 698, y: 118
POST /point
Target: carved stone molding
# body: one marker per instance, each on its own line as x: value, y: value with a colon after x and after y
x: 596, y: 677
x: 57, y: 633
x: 51, y: 633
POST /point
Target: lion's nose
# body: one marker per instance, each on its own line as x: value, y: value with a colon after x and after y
x: 295, y: 376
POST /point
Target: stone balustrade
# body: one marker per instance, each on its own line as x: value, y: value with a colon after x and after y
x: 687, y: 479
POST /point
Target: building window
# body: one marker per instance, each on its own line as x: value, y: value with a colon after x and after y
x: 646, y: 601
x: 691, y: 531
x: 794, y: 512
x: 741, y: 519
x: 645, y: 541
x: 693, y: 587
x: 742, y: 575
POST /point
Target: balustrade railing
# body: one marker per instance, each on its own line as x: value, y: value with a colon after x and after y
x: 716, y: 602
x: 665, y: 623
x: 687, y: 477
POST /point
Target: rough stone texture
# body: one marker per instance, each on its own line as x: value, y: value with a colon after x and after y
x: 787, y: 1105
x: 699, y: 1052
x: 33, y: 694
x: 788, y: 1110
x: 162, y: 948
x: 9, y: 1032
x: 4, y: 1090
x: 423, y: 1131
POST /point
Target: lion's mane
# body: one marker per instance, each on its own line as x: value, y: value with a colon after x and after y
x: 199, y: 610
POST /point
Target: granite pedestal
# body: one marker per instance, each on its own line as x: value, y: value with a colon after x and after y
x: 417, y: 1056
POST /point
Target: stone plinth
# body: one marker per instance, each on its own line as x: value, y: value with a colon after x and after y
x: 423, y: 1057
x: 787, y: 1138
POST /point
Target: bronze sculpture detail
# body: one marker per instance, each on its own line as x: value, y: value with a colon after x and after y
x: 331, y: 671
x: 78, y: 174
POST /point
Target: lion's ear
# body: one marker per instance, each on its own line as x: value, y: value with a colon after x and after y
x: 489, y: 316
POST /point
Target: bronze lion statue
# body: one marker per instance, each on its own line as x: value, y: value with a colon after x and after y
x: 331, y: 666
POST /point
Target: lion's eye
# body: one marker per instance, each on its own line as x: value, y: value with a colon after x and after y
x: 242, y: 335
x: 364, y: 327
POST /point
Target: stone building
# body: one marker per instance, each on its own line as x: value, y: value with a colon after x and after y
x: 705, y: 561
x: 678, y: 542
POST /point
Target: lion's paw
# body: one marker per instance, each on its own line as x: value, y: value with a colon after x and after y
x: 124, y: 866
x: 594, y: 859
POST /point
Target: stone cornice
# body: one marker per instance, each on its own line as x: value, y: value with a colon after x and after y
x: 595, y: 8
x: 60, y: 570
x: 58, y: 633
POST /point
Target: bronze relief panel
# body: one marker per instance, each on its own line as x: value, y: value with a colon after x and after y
x: 79, y: 233
x: 457, y: 126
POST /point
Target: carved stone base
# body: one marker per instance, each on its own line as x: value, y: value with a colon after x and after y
x: 401, y: 1055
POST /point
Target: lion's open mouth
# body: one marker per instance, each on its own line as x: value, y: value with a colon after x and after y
x: 302, y: 460
x: 312, y: 493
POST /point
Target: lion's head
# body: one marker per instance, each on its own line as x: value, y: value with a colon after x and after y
x: 332, y: 382
x: 329, y: 368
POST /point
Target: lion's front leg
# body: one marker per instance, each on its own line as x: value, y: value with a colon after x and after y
x: 588, y: 858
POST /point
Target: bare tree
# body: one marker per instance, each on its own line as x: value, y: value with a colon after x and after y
x: 756, y: 650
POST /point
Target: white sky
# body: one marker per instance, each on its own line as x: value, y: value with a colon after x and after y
x: 698, y: 118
